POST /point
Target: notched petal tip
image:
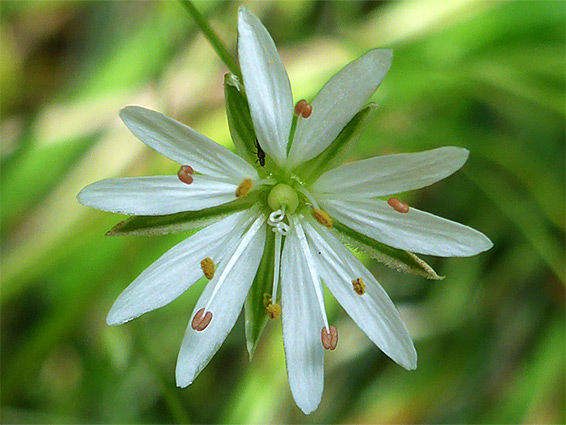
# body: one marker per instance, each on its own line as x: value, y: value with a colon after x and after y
x: 244, y: 16
x: 307, y: 406
x: 181, y: 382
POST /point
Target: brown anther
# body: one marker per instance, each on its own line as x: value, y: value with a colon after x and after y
x: 273, y: 311
x: 208, y: 267
x: 185, y: 174
x: 359, y: 286
x: 322, y: 217
x: 307, y: 111
x: 329, y: 339
x: 201, y: 320
x: 398, y: 205
x: 303, y: 108
x: 244, y: 188
x: 299, y: 107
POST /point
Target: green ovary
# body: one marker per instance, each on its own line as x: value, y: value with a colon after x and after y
x: 283, y: 194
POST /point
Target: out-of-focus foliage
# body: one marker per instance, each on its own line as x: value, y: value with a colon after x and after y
x: 488, y: 76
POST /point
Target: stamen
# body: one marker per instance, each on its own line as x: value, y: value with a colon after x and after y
x: 236, y: 256
x: 208, y: 267
x: 268, y: 181
x: 398, y: 205
x: 303, y: 108
x: 299, y: 107
x: 315, y: 279
x: 359, y: 286
x: 201, y: 321
x: 244, y: 188
x: 272, y: 310
x: 280, y: 229
x: 185, y: 174
x: 322, y: 217
x: 266, y: 300
x: 308, y: 195
x: 329, y: 337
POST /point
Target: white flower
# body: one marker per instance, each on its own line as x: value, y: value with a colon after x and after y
x: 304, y: 215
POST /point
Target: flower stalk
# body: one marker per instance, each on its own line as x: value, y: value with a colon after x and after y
x: 211, y: 36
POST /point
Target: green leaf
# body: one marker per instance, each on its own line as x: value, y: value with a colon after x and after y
x: 398, y: 259
x: 180, y: 222
x: 239, y: 119
x: 339, y: 150
x: 256, y: 318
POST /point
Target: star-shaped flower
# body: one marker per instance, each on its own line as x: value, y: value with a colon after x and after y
x: 287, y: 207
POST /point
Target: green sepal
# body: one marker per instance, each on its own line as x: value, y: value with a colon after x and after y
x: 254, y: 309
x: 180, y: 222
x: 240, y: 119
x: 339, y: 150
x: 242, y: 128
x: 398, y: 259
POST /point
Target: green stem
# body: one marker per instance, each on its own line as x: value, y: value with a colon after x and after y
x: 209, y: 33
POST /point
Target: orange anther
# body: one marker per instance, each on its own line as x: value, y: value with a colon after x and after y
x: 398, y: 205
x: 185, y: 174
x: 329, y: 338
x: 201, y: 320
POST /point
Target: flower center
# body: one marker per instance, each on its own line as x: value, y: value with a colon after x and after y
x: 283, y: 195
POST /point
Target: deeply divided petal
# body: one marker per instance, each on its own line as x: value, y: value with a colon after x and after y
x: 373, y: 311
x: 178, y: 269
x: 415, y: 231
x: 302, y: 324
x: 185, y: 145
x: 267, y: 86
x: 156, y: 195
x: 223, y: 297
x: 339, y: 100
x: 386, y: 175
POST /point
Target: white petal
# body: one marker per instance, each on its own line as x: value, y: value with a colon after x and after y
x: 235, y: 277
x: 185, y: 145
x: 302, y: 323
x: 373, y: 312
x: 267, y: 86
x: 339, y: 100
x: 177, y: 270
x: 156, y: 195
x: 415, y: 231
x: 386, y: 175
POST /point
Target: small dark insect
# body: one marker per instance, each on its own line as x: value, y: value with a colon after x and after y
x: 260, y: 154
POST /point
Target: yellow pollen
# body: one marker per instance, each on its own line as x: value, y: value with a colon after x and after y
x: 273, y: 311
x: 359, y: 286
x: 244, y: 188
x: 322, y: 217
x: 208, y: 268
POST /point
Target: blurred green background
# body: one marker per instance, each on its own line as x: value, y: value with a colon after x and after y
x: 489, y: 76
